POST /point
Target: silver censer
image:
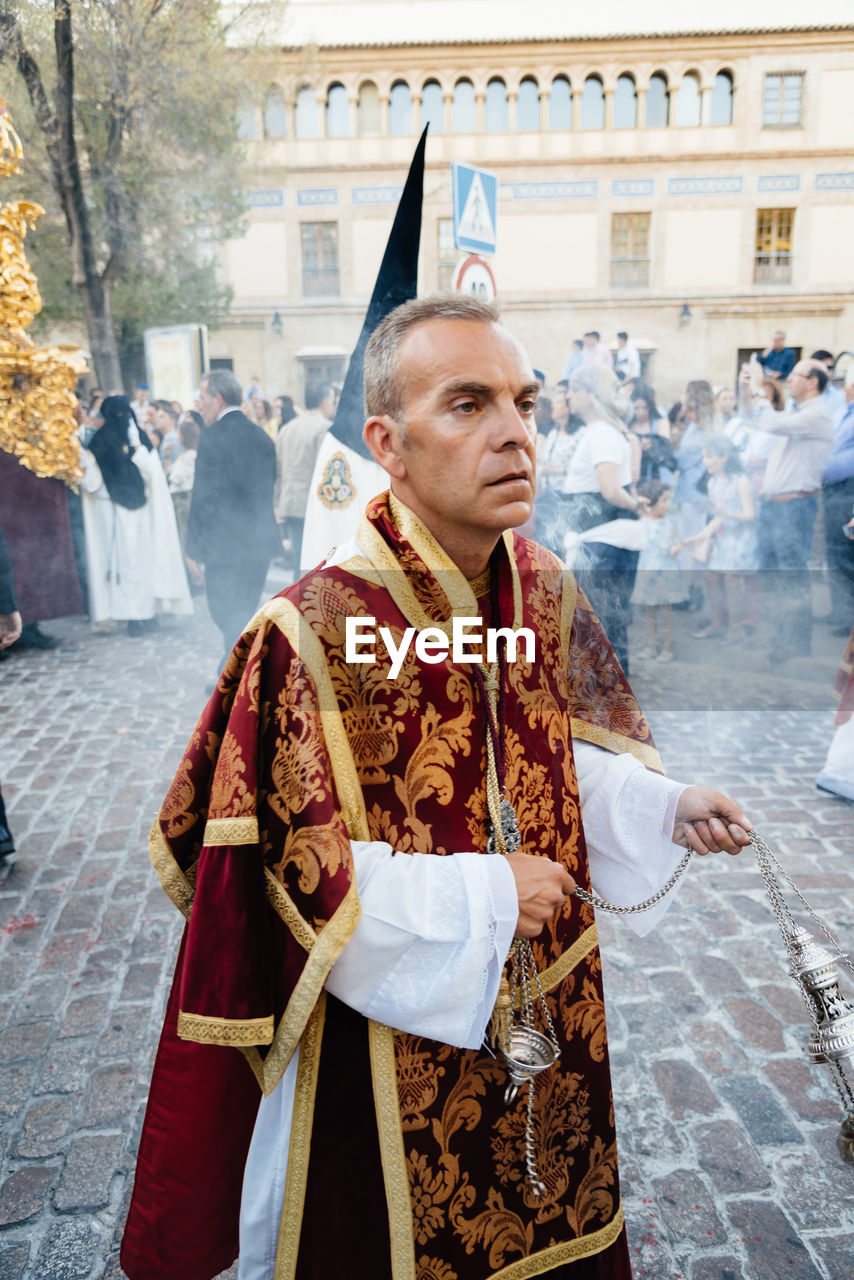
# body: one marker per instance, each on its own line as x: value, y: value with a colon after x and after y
x: 815, y: 969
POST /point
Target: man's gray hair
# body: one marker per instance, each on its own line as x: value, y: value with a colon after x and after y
x: 224, y: 383
x: 383, y: 393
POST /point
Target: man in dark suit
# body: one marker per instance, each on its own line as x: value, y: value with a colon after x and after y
x: 232, y: 530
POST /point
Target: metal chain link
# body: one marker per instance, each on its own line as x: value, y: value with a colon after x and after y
x: 602, y: 904
x: 770, y: 868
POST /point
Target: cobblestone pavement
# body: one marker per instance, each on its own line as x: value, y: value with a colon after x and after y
x: 727, y: 1136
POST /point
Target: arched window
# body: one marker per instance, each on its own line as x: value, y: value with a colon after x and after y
x: 657, y: 102
x: 306, y: 124
x: 496, y: 107
x: 369, y: 110
x: 432, y: 107
x: 400, y: 110
x: 688, y: 101
x: 560, y: 104
x: 337, y: 112
x: 722, y: 93
x: 464, y: 108
x: 275, y: 114
x: 247, y: 120
x: 625, y: 104
x: 528, y: 106
x: 593, y: 104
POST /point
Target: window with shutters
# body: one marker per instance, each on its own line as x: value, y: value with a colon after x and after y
x: 773, y: 257
x: 630, y: 250
x: 320, y: 259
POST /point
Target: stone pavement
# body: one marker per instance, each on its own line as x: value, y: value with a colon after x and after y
x: 729, y: 1163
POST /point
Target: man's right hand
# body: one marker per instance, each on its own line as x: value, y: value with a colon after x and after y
x: 542, y: 887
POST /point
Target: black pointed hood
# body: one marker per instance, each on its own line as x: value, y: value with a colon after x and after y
x: 397, y: 282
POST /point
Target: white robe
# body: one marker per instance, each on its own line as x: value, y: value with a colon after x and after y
x: 428, y: 952
x: 133, y: 558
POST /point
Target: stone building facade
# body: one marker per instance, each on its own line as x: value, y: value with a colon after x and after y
x: 696, y: 190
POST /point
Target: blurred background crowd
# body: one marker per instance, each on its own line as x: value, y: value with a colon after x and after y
x: 728, y: 506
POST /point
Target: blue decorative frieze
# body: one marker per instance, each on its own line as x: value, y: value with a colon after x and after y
x: 552, y: 190
x: 704, y: 186
x: 317, y: 195
x: 834, y: 182
x: 778, y: 182
x: 375, y: 195
x: 633, y: 187
x: 266, y: 199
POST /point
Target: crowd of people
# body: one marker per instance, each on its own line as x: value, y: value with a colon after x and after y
x: 711, y: 504
x: 656, y: 508
x: 717, y: 504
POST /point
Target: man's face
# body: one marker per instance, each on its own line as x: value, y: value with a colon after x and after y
x: 467, y: 438
x: 209, y: 405
x: 779, y: 339
x: 162, y: 421
x: 560, y: 406
x: 801, y: 384
x: 589, y: 342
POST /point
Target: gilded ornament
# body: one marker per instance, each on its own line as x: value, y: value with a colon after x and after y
x: 37, y: 384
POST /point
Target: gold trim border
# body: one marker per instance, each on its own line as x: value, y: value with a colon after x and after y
x: 618, y: 743
x: 393, y: 1156
x: 223, y: 831
x: 567, y: 961
x: 536, y: 1264
x: 205, y: 1029
x: 299, y: 1146
x: 283, y: 904
x: 173, y: 881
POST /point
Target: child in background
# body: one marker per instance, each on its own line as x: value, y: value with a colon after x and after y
x: 659, y: 583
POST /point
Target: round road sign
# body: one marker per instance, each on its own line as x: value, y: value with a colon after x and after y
x: 474, y: 276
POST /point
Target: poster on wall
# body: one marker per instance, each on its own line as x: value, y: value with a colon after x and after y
x: 175, y: 359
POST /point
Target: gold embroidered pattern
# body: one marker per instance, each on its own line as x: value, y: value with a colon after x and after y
x: 398, y: 585
x: 205, y: 1030
x: 287, y: 618
x: 223, y: 831
x: 299, y: 1147
x: 387, y: 1105
x: 283, y: 905
x: 569, y: 1251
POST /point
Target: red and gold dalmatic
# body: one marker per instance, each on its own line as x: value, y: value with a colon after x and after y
x: 404, y: 1159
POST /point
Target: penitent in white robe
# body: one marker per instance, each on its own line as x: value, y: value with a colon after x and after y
x: 429, y: 949
x: 133, y: 558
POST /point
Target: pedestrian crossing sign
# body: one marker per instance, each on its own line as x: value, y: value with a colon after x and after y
x: 475, y: 208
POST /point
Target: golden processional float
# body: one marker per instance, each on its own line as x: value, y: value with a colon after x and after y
x: 37, y: 384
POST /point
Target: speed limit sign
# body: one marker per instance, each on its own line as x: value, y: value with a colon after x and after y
x: 474, y: 276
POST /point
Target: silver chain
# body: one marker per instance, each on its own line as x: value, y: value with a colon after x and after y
x: 770, y: 868
x: 602, y: 904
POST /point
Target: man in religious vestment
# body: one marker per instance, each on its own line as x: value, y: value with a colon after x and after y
x: 329, y: 1092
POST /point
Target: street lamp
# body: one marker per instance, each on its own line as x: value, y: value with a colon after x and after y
x: 685, y: 315
x: 276, y: 326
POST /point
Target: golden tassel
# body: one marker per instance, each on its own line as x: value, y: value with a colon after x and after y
x: 499, y: 1023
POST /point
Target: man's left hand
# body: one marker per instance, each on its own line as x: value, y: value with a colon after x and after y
x: 707, y: 821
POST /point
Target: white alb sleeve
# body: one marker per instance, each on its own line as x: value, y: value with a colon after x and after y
x: 428, y: 952
x: 628, y: 814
